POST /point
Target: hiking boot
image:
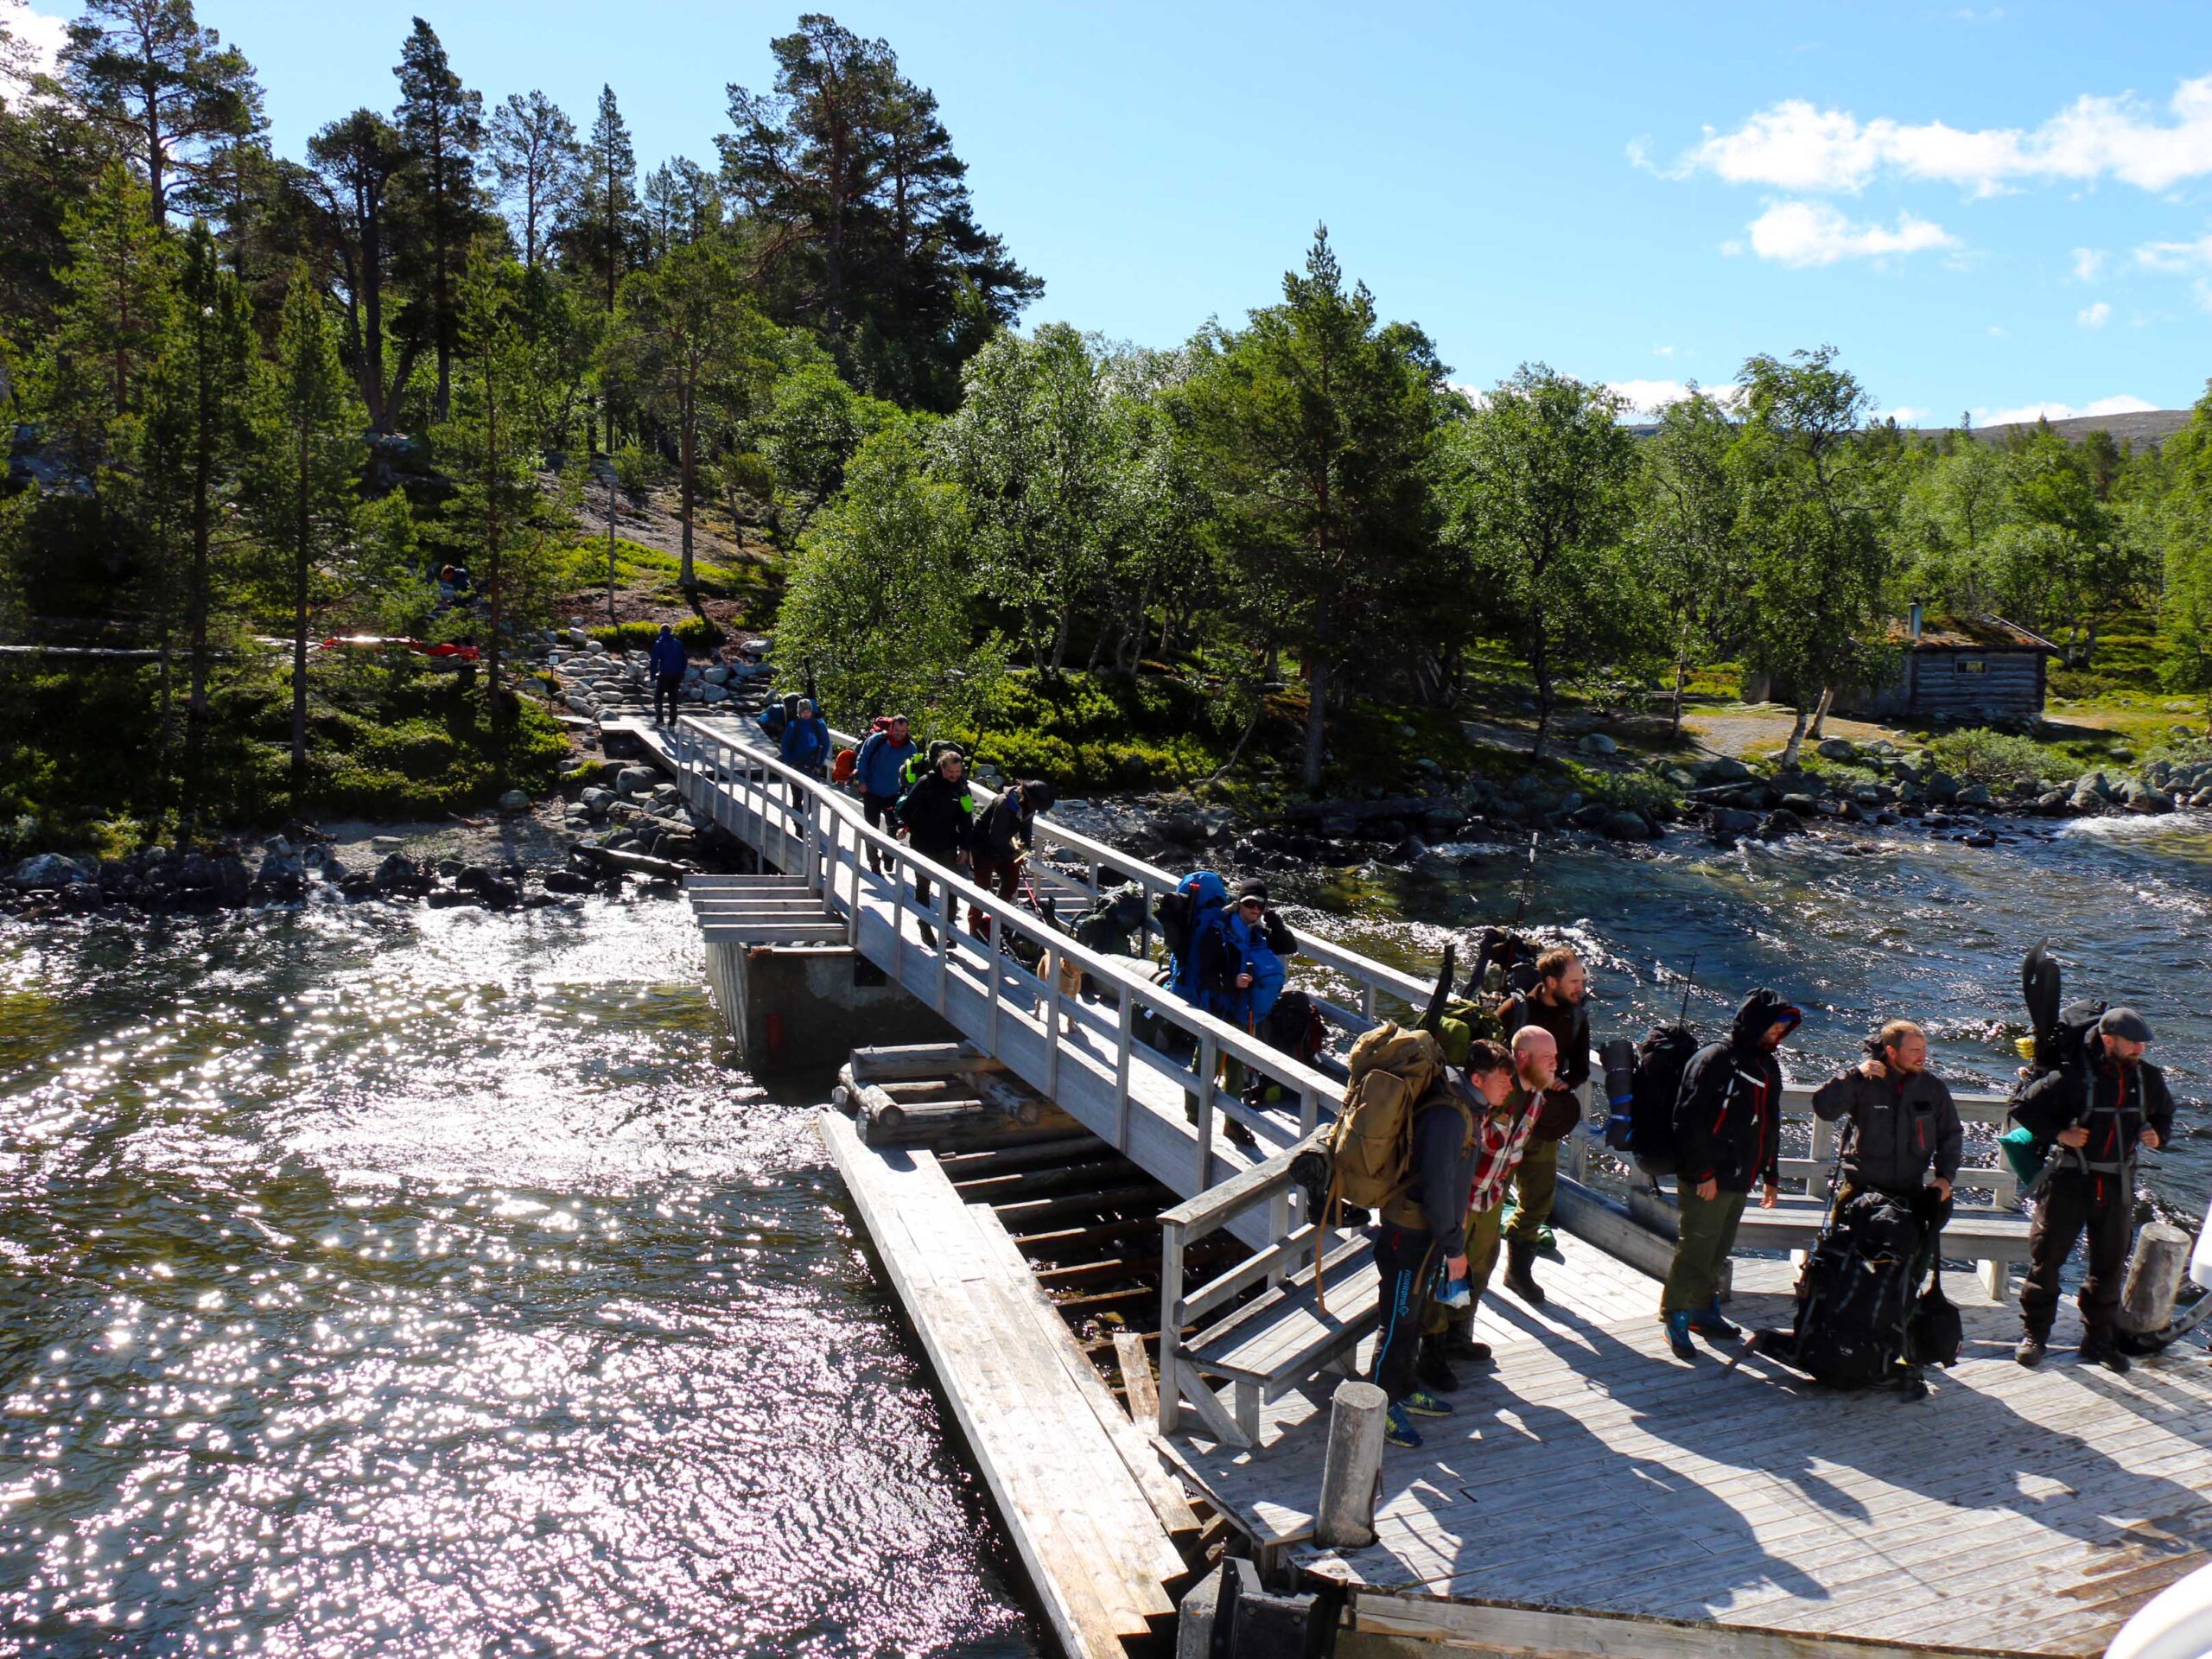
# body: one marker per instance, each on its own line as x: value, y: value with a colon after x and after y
x: 1238, y: 1133
x: 1708, y: 1321
x: 1459, y: 1342
x: 1422, y: 1403
x: 1678, y: 1335
x: 2098, y: 1347
x: 1398, y: 1429
x: 2032, y: 1349
x: 1430, y: 1367
x: 1520, y: 1256
x: 1547, y: 1241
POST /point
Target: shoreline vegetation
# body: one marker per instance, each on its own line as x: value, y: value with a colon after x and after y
x: 465, y: 373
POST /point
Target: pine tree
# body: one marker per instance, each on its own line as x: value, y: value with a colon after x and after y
x: 117, y: 305
x: 442, y: 122
x: 688, y: 345
x: 197, y: 441
x: 307, y: 462
x: 358, y: 160
x: 535, y: 156
x: 165, y: 85
x: 602, y: 236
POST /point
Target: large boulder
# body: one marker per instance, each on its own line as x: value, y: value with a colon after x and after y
x: 1943, y: 788
x: 1625, y: 825
x: 514, y: 801
x: 1780, y: 823
x: 1975, y: 795
x: 2142, y: 798
x: 636, y: 780
x: 1598, y: 743
x: 1723, y: 769
x: 1726, y: 822
x: 1837, y: 748
x: 50, y: 871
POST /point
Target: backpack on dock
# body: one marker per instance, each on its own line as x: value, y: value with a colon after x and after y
x: 1369, y: 1153
x: 1645, y: 1131
x: 1855, y: 1297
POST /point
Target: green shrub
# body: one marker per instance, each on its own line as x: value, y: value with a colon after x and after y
x: 1980, y: 754
x: 697, y: 634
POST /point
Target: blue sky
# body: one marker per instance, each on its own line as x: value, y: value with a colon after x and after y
x: 1985, y: 208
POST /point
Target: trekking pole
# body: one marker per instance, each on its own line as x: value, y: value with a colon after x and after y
x: 1689, y: 984
x: 1527, y: 875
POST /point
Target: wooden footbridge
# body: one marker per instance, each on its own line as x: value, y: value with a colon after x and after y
x: 1591, y: 1496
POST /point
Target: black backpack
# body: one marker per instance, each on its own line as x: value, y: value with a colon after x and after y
x: 1648, y: 1134
x: 1295, y: 1028
x: 1854, y: 1297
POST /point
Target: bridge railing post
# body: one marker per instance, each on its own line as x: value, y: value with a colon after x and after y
x: 1124, y: 1040
x: 1209, y: 1059
x: 1171, y: 1327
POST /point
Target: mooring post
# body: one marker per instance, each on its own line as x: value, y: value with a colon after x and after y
x: 2146, y: 1305
x: 1351, y: 1467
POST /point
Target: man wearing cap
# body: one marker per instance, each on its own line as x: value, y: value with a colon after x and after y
x: 2100, y: 1112
x: 1728, y: 1132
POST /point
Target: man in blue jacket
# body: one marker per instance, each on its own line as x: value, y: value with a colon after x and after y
x: 805, y: 745
x: 668, y: 662
x: 879, y: 770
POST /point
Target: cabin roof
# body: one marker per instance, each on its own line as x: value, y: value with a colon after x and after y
x: 1969, y: 634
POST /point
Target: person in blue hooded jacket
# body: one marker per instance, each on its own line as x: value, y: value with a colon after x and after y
x: 668, y: 660
x: 1204, y: 893
x: 805, y: 743
x: 1239, y: 969
x: 879, y: 769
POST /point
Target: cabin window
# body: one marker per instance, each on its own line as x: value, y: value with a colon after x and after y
x: 1972, y: 665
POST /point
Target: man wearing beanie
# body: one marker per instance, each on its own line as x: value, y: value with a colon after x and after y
x: 2099, y: 1111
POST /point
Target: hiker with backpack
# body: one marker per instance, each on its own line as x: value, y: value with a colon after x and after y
x: 878, y: 769
x: 667, y: 660
x: 939, y: 814
x: 1559, y: 1003
x: 1239, y: 958
x: 1004, y: 836
x: 1727, y: 1136
x: 2100, y: 1105
x: 1513, y: 1087
x: 1402, y: 1110
x: 1902, y: 1128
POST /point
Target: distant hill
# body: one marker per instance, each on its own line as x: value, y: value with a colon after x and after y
x: 2151, y: 426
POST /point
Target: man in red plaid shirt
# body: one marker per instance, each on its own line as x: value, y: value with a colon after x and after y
x: 1513, y: 1087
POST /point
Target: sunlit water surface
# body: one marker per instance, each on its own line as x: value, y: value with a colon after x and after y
x: 428, y: 1283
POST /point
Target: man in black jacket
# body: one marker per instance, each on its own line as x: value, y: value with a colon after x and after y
x: 1902, y: 1122
x: 938, y: 825
x: 2099, y: 1112
x: 1561, y: 1005
x: 1727, y: 1132
x: 1004, y: 832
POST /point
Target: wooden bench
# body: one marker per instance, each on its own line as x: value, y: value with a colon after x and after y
x: 1992, y: 1240
x: 1272, y: 1343
x: 1283, y: 1339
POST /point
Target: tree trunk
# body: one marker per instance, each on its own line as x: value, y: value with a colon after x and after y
x: 1539, y: 663
x: 1681, y: 680
x: 1317, y: 714
x: 1060, y: 637
x: 493, y: 550
x: 299, y: 557
x: 687, y: 443
x: 610, y: 544
x: 1821, y: 713
x: 1796, y: 740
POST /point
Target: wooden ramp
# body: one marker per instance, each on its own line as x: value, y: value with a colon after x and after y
x: 1591, y: 1495
x: 1080, y: 1489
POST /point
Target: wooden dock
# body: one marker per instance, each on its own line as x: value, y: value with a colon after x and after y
x: 1092, y: 1510
x: 1591, y: 1495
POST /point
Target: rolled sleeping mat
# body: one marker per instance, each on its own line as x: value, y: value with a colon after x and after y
x: 1619, y: 1058
x: 2200, y: 1260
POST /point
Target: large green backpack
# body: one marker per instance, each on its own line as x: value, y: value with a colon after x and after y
x: 1463, y: 1022
x: 1371, y: 1144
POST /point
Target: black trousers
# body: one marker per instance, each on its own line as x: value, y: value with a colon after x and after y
x: 1405, y: 1258
x: 2103, y: 1208
x: 665, y: 686
x: 882, y: 813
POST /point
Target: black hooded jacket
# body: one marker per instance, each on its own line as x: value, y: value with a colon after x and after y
x: 935, y: 813
x: 2116, y: 1103
x: 1728, y: 1117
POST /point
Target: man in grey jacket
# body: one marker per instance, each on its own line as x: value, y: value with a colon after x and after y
x: 1902, y: 1123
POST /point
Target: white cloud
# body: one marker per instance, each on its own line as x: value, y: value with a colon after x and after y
x: 1907, y: 415
x: 2175, y: 255
x: 2088, y: 264
x: 1662, y: 351
x: 1803, y: 234
x: 2026, y: 412
x: 39, y: 36
x: 1647, y: 398
x: 1793, y: 145
x: 1996, y: 332
x: 2094, y: 316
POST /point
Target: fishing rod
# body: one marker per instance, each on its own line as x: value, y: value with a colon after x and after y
x: 1689, y: 984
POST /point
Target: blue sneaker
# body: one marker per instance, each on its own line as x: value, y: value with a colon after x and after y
x: 1678, y: 1335
x: 1709, y: 1321
x: 1422, y: 1403
x: 1398, y: 1428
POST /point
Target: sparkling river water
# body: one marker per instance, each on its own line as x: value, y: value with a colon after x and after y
x: 429, y: 1283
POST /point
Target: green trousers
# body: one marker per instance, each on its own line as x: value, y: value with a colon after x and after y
x: 1535, y: 1184
x: 1482, y: 1262
x: 1709, y: 1234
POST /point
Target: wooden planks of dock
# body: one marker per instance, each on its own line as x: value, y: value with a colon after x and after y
x: 1589, y: 1495
x: 1090, y: 1510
